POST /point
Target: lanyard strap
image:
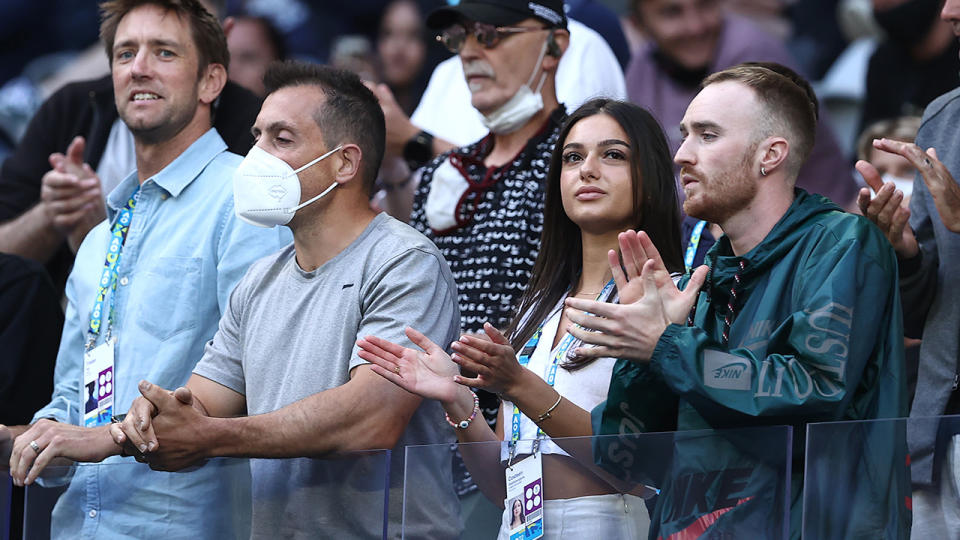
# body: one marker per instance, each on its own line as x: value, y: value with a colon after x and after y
x: 108, y: 278
x: 692, y: 245
x: 524, y: 358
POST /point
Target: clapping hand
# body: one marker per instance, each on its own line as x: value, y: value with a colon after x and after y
x: 428, y: 372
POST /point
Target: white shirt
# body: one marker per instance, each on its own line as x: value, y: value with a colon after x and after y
x: 587, y: 69
x: 586, y: 388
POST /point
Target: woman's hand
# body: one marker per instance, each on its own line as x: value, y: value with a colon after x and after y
x: 429, y: 373
x: 494, y: 361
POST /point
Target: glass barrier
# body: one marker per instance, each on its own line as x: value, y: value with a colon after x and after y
x: 690, y: 484
x: 861, y: 482
x: 344, y: 497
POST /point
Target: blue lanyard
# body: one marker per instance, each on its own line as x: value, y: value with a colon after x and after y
x: 108, y: 278
x: 693, y: 244
x: 524, y: 358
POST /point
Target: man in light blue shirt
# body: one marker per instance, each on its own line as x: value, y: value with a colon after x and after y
x: 149, y: 284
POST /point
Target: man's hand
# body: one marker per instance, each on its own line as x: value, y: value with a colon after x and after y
x: 45, y: 440
x: 167, y: 427
x: 943, y: 188
x: 399, y: 128
x: 886, y: 211
x: 71, y: 194
x: 632, y: 330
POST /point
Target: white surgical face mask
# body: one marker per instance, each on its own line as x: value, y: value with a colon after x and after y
x: 903, y: 183
x: 266, y: 190
x: 520, y: 108
x: 446, y: 192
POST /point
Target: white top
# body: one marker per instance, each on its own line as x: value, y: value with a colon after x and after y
x: 586, y: 387
x: 588, y: 69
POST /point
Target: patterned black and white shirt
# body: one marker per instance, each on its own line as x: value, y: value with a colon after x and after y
x: 491, y: 255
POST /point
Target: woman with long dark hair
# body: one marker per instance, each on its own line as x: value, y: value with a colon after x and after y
x: 609, y: 175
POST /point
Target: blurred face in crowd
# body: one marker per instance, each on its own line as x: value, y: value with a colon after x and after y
x: 400, y: 46
x: 596, y: 186
x: 155, y: 66
x: 685, y: 30
x: 951, y: 14
x: 494, y: 75
x: 250, y: 52
x: 717, y: 155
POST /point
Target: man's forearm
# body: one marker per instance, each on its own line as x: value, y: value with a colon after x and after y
x: 30, y: 235
x: 335, y: 421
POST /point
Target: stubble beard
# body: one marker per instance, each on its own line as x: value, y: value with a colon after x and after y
x: 729, y: 191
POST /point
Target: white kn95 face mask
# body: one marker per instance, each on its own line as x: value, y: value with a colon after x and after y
x: 266, y: 190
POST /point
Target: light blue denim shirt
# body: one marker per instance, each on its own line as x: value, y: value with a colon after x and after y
x: 184, y: 252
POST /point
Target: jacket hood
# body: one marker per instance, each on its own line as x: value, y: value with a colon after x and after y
x: 781, y: 239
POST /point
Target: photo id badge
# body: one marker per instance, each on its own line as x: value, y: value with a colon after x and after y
x: 525, y: 498
x: 98, y: 385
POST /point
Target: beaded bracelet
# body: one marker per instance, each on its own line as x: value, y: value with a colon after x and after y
x: 464, y: 424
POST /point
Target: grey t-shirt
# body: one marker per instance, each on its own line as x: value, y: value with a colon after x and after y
x: 288, y: 334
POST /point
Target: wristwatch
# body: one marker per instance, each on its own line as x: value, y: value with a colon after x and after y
x: 418, y: 150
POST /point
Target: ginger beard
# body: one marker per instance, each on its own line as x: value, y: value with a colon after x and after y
x: 718, y: 195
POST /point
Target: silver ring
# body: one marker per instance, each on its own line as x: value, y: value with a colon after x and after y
x: 35, y: 446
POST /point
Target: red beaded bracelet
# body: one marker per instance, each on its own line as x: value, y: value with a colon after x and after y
x: 464, y: 424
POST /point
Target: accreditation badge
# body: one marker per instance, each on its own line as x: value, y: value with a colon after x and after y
x: 98, y: 384
x: 525, y: 498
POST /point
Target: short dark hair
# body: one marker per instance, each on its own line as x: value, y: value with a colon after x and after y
x: 791, y: 107
x: 351, y: 112
x: 207, y: 33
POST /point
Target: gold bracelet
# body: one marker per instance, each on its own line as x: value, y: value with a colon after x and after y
x: 546, y: 415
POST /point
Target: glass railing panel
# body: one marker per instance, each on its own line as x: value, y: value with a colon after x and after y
x: 857, y: 482
x: 711, y: 484
x: 345, y: 497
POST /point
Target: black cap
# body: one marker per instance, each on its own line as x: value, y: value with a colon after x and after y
x: 499, y: 12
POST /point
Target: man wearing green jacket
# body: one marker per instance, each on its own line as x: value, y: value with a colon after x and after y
x: 798, y: 322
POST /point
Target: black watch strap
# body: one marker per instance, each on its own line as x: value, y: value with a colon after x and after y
x: 418, y: 150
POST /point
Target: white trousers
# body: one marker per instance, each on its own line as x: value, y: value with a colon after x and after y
x: 597, y: 516
x: 936, y: 510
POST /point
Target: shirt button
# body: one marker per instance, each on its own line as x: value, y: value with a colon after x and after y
x: 163, y: 196
x: 124, y: 280
x: 92, y: 513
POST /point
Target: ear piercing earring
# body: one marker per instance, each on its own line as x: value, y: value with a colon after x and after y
x: 763, y: 171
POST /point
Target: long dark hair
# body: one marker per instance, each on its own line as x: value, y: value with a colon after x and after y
x: 656, y: 211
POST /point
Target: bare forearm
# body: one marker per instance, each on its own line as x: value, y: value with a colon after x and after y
x: 31, y: 235
x: 533, y: 396
x: 483, y: 458
x: 332, y: 422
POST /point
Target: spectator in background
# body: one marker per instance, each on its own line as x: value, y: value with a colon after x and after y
x: 891, y: 167
x: 45, y: 212
x: 605, y: 22
x: 253, y: 42
x: 402, y: 52
x: 689, y: 39
x: 928, y: 253
x: 149, y: 285
x: 915, y: 64
x: 444, y: 120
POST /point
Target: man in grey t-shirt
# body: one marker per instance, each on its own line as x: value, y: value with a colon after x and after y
x: 281, y: 378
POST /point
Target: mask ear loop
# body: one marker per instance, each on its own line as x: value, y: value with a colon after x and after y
x: 328, y: 190
x: 536, y: 69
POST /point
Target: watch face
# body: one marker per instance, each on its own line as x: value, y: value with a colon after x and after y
x: 418, y: 150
